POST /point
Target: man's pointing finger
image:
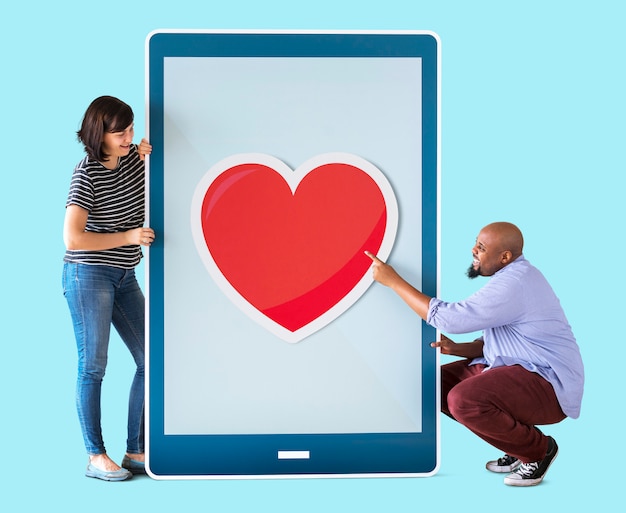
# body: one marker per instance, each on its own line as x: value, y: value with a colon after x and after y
x: 374, y: 257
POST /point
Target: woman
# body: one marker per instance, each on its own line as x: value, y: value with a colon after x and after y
x: 103, y: 234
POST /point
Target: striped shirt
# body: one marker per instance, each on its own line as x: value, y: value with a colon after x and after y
x: 115, y: 200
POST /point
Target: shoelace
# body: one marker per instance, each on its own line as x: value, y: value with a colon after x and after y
x: 527, y: 469
x: 506, y: 460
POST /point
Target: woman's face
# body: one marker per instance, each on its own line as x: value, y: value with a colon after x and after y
x: 117, y: 144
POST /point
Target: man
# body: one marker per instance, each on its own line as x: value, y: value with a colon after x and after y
x: 525, y: 370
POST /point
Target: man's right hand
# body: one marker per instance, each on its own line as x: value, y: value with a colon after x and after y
x: 446, y: 345
x: 465, y: 349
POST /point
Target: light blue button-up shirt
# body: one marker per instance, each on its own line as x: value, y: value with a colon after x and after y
x: 522, y: 323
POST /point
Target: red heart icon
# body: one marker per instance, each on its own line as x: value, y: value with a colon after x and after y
x: 288, y: 246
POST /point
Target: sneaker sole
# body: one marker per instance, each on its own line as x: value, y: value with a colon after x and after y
x: 522, y: 482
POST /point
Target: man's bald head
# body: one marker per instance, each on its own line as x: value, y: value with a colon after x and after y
x: 497, y: 245
x: 507, y: 236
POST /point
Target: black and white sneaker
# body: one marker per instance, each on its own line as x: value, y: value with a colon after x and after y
x: 529, y: 474
x: 505, y: 464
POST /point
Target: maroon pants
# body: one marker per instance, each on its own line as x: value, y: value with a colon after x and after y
x: 502, y: 406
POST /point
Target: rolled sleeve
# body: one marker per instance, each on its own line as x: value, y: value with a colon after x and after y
x: 495, y: 304
x: 454, y: 317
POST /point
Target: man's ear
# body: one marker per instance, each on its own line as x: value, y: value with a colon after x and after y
x: 507, y: 257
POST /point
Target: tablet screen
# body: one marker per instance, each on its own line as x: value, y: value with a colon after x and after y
x: 278, y: 159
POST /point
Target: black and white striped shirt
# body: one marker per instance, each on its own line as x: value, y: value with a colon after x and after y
x: 115, y: 200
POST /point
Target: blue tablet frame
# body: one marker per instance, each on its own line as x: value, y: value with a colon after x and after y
x: 349, y: 455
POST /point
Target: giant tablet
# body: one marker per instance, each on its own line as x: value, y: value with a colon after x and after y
x: 278, y: 159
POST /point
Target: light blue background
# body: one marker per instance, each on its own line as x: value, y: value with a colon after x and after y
x: 533, y: 131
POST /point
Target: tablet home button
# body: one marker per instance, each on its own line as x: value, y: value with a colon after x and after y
x: 294, y: 455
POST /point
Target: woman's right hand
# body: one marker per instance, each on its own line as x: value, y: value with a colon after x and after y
x: 143, y: 236
x: 77, y: 239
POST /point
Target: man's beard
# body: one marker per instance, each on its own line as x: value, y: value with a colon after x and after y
x: 473, y: 273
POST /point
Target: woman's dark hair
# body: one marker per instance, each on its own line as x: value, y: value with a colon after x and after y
x: 105, y: 114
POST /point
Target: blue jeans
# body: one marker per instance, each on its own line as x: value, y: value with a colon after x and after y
x: 98, y: 296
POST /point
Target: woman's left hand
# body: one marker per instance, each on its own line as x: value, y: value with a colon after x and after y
x: 144, y: 148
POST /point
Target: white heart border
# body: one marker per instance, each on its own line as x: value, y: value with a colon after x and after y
x: 293, y: 179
